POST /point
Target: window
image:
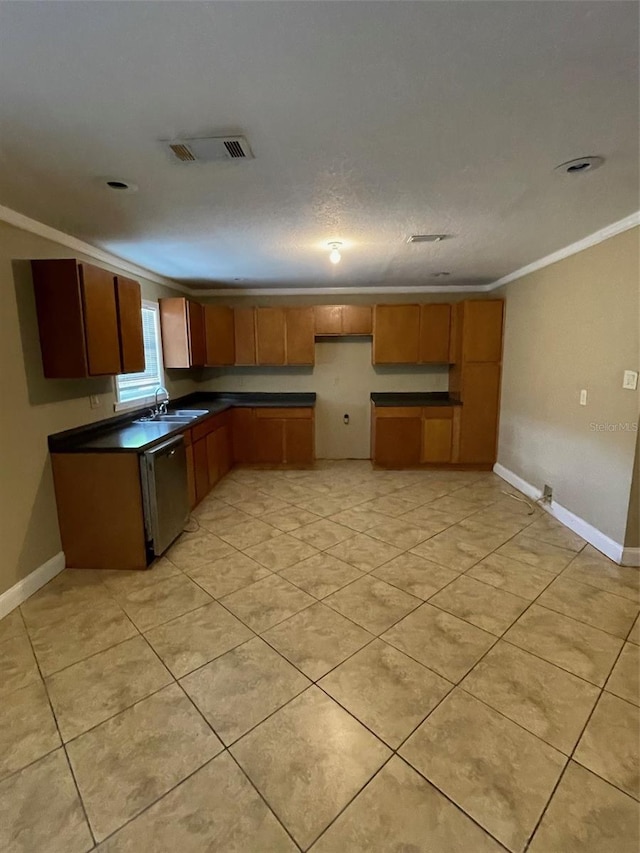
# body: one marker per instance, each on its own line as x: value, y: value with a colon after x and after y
x: 136, y: 389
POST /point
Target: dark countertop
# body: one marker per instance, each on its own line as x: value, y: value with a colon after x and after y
x: 120, y: 434
x: 410, y: 398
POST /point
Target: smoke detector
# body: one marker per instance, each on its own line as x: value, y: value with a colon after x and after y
x: 208, y: 149
x: 426, y: 238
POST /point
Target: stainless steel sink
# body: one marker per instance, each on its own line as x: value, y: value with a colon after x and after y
x: 160, y: 419
x: 189, y: 413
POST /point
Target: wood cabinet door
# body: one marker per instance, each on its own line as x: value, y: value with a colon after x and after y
x: 243, y: 435
x: 479, y: 413
x: 244, y: 323
x: 195, y: 322
x: 225, y: 449
x: 435, y: 323
x: 398, y: 441
x: 299, y: 441
x: 129, y: 303
x: 270, y: 336
x: 482, y: 330
x: 191, y: 477
x: 219, y: 335
x: 328, y: 319
x: 437, y: 436
x: 269, y: 440
x: 396, y: 334
x: 100, y: 320
x: 300, y: 336
x: 214, y: 465
x: 175, y: 335
x: 201, y: 468
x: 357, y: 320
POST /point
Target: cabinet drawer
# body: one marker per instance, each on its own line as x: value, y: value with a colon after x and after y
x: 397, y: 411
x: 437, y: 412
x: 284, y: 414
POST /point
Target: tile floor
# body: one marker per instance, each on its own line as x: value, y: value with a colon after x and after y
x: 337, y: 660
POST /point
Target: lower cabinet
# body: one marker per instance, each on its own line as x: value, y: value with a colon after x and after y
x: 246, y: 435
x: 396, y: 436
x: 480, y: 386
x: 437, y: 434
x: 407, y: 436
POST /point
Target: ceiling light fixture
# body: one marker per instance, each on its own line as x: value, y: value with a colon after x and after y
x: 334, y: 254
x: 580, y: 165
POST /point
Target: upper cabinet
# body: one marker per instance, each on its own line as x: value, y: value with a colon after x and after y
x: 274, y: 336
x: 343, y: 320
x: 219, y: 331
x: 90, y: 320
x: 183, y: 332
x: 477, y: 331
x: 411, y: 334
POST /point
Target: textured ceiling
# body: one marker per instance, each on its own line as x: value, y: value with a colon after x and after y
x: 369, y: 122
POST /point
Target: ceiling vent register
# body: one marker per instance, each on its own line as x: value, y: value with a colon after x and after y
x: 208, y: 149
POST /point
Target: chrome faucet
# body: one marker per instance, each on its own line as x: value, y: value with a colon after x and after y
x: 162, y: 408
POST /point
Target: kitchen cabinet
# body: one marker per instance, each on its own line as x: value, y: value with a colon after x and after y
x: 183, y: 332
x: 396, y: 436
x: 435, y: 325
x: 437, y: 434
x: 480, y: 392
x: 243, y: 435
x: 337, y: 320
x: 284, y: 436
x: 244, y: 326
x: 477, y: 335
x: 412, y: 334
x: 219, y: 331
x: 90, y: 321
x: 201, y: 468
x: 299, y: 336
x: 129, y: 308
x: 270, y: 336
x: 396, y: 334
x: 274, y: 336
x: 100, y: 515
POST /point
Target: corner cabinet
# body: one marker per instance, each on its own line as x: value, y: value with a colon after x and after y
x: 90, y: 320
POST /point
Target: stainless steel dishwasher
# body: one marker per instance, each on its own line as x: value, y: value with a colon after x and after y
x: 163, y: 473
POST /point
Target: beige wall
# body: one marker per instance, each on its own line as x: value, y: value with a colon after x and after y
x: 33, y: 407
x: 574, y: 325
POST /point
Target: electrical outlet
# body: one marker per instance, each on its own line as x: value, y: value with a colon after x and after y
x: 547, y: 494
x: 94, y: 401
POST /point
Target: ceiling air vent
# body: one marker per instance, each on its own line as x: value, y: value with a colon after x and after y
x: 426, y: 238
x: 209, y: 149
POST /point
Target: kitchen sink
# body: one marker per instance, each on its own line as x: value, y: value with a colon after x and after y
x: 164, y: 419
x: 189, y: 413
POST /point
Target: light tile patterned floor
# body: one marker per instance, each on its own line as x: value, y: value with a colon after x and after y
x: 335, y: 660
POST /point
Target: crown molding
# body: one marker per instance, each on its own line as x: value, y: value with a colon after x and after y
x: 338, y: 291
x: 25, y: 223
x: 600, y: 236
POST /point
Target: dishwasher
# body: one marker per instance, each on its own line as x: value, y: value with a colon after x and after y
x: 163, y: 473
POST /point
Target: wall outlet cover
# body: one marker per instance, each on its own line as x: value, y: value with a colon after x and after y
x: 94, y: 401
x: 630, y: 380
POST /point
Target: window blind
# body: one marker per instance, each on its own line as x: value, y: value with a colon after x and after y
x: 134, y: 386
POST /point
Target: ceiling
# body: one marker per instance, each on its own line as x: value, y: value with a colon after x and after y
x: 369, y: 122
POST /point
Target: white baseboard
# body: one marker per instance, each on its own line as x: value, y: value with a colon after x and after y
x: 609, y: 547
x: 20, y: 591
x: 631, y: 557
